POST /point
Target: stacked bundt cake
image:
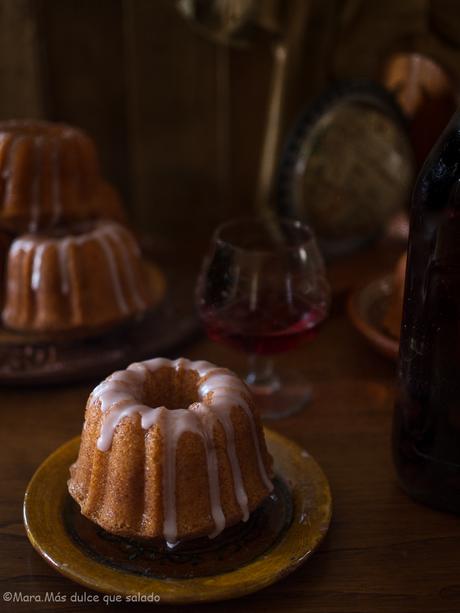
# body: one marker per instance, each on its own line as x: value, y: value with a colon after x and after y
x: 71, y: 263
x: 171, y: 450
x: 49, y: 175
x: 88, y: 276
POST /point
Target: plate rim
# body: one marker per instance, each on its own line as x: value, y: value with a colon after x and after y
x: 270, y: 567
x: 385, y: 344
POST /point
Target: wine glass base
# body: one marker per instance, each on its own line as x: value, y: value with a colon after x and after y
x: 291, y: 396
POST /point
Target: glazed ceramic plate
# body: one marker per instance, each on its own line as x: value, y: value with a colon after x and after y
x: 277, y: 538
x: 32, y: 360
x: 367, y: 308
x: 352, y: 120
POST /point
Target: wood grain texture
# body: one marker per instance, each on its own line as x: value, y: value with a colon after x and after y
x: 178, y: 118
x: 174, y: 113
x: 83, y: 76
x: 384, y: 553
x: 20, y: 61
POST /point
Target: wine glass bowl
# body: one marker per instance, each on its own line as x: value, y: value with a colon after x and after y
x: 263, y: 290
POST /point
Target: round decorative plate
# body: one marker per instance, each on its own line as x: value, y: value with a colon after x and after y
x: 348, y: 165
x: 277, y: 538
x: 32, y: 359
x: 367, y: 308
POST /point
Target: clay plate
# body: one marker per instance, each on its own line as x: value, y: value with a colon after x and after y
x: 367, y: 308
x: 33, y: 359
x: 277, y: 538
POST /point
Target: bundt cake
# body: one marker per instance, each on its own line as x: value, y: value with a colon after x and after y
x: 49, y: 174
x: 170, y: 450
x: 85, y: 276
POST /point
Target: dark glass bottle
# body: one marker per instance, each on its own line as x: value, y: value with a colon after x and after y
x: 426, y: 428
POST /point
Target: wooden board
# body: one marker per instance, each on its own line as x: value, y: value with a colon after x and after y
x: 32, y: 359
x: 383, y: 554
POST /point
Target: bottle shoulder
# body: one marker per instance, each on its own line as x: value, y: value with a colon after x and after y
x: 441, y: 169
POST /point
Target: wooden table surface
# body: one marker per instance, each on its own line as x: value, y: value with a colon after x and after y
x: 383, y: 552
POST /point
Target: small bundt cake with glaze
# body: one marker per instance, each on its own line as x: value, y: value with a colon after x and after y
x: 49, y: 174
x: 171, y: 450
x: 85, y: 276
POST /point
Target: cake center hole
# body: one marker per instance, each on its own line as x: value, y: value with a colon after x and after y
x: 171, y: 389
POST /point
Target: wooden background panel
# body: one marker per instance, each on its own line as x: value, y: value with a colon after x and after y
x: 179, y: 120
x: 250, y: 83
x: 83, y: 70
x: 20, y: 78
x: 174, y: 110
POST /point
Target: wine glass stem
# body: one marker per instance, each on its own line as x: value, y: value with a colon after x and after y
x: 261, y: 376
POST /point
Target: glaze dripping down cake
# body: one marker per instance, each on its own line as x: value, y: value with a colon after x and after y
x: 85, y: 276
x: 171, y: 450
x: 49, y: 175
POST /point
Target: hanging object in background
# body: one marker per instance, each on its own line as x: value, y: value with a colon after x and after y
x: 347, y: 166
x: 227, y: 21
x: 426, y: 95
x: 241, y: 22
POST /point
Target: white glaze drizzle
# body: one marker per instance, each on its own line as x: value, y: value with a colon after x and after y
x: 8, y: 175
x: 126, y: 263
x: 22, y: 244
x: 63, y: 250
x: 115, y: 276
x: 175, y: 423
x: 219, y: 390
x: 37, y: 266
x: 62, y: 245
x: 240, y: 491
x: 217, y: 514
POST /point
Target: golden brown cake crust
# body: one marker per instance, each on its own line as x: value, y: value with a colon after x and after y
x: 49, y: 174
x: 123, y: 488
x: 86, y: 277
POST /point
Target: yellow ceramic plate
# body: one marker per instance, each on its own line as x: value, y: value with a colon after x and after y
x: 299, y: 514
